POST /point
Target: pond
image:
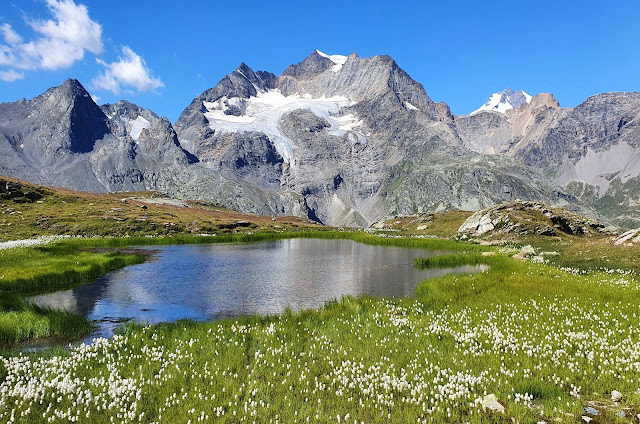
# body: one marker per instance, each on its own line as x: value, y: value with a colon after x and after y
x: 227, y: 280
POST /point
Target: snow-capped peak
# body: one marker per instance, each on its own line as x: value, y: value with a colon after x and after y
x: 504, y: 100
x: 337, y: 59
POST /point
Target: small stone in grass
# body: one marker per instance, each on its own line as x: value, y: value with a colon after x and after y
x: 491, y: 402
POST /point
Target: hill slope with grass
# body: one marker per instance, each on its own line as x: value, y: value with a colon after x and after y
x: 29, y: 210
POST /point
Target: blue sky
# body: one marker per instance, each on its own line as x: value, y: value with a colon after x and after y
x: 161, y: 54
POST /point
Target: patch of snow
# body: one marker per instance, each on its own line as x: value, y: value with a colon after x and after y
x: 263, y: 113
x: 22, y: 145
x: 409, y: 106
x: 38, y: 241
x: 137, y: 125
x: 337, y: 59
x: 348, y: 122
x: 594, y: 167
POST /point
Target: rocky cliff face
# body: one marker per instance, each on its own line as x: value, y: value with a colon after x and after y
x: 343, y: 140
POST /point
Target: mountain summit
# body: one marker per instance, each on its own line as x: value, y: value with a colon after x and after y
x: 504, y: 100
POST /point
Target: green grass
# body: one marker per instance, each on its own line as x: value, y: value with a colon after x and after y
x: 30, y: 269
x: 21, y: 320
x: 449, y: 261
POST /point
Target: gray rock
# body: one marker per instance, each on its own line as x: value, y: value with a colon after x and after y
x: 591, y: 411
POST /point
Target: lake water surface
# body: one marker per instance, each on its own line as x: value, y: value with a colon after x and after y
x: 225, y: 280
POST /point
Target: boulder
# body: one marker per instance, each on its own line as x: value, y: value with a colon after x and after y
x: 491, y: 403
x: 526, y: 217
x: 628, y: 238
x: 525, y: 252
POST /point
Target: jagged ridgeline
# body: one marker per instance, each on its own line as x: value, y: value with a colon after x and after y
x: 343, y: 140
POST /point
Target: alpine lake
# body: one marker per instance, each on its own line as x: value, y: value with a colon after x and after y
x: 211, y: 281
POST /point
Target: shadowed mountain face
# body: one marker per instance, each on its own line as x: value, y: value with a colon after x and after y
x: 343, y: 140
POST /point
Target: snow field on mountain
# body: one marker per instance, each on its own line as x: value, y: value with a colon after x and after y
x: 337, y: 59
x: 263, y: 113
x: 502, y: 101
x: 137, y: 125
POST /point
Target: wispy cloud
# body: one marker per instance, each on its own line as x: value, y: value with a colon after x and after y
x: 10, y: 36
x: 59, y: 42
x: 11, y: 75
x: 130, y: 71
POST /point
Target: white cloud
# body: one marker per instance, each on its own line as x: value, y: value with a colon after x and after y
x: 60, y: 41
x: 66, y: 37
x: 95, y: 98
x: 129, y: 71
x: 10, y: 36
x: 10, y: 75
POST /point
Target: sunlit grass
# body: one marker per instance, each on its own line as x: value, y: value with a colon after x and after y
x: 20, y: 320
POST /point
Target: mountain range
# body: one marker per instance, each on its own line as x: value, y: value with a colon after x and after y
x: 342, y: 140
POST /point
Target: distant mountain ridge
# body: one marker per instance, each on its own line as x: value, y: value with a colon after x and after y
x: 343, y: 140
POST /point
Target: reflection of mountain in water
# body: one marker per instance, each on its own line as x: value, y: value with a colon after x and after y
x: 81, y: 300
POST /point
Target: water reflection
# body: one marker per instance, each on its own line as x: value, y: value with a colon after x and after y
x: 222, y: 280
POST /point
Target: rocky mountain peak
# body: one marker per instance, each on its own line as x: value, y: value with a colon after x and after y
x: 76, y: 121
x: 544, y: 99
x: 311, y: 66
x: 538, y: 103
x: 503, y: 101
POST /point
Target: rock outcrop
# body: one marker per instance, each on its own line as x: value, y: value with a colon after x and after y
x: 628, y: 238
x: 528, y: 218
x: 16, y: 192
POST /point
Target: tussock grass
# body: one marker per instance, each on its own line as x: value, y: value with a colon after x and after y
x: 58, y: 266
x: 448, y: 261
x: 21, y: 320
x: 32, y: 270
